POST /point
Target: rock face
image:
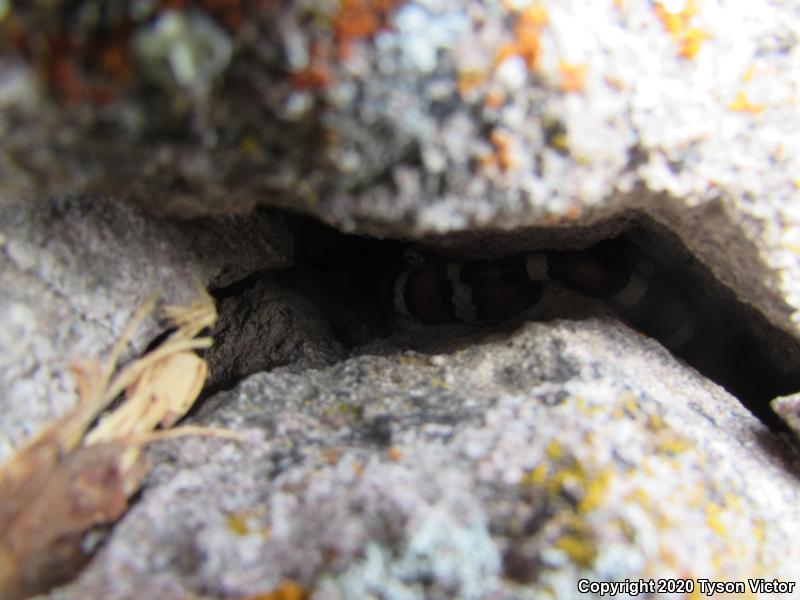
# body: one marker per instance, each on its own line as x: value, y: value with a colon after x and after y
x: 507, y: 466
x: 383, y: 459
x: 73, y: 271
x: 428, y: 117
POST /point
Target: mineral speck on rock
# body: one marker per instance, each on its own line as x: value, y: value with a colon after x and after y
x: 149, y: 146
x: 492, y: 481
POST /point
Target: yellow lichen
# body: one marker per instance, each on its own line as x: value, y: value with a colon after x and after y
x: 655, y: 422
x: 691, y: 41
x: 237, y: 523
x: 554, y: 451
x: 749, y: 73
x: 568, y: 473
x: 673, y: 444
x: 581, y: 551
x: 409, y: 361
x: 586, y: 408
x: 713, y: 514
x: 535, y: 477
x: 527, y: 36
x: 695, y: 594
x: 241, y: 523
x: 595, y: 491
x: 678, y: 23
x: 630, y: 403
x: 743, y: 104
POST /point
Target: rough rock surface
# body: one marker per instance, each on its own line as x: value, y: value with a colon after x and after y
x: 277, y: 318
x: 442, y: 462
x: 477, y: 466
x: 73, y: 271
x: 408, y: 118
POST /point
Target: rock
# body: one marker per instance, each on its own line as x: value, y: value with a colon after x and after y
x: 503, y: 465
x: 499, y: 117
x: 788, y: 408
x: 277, y: 318
x: 440, y: 462
x: 74, y: 270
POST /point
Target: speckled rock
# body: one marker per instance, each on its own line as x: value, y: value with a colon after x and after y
x: 72, y: 271
x: 432, y: 116
x: 507, y: 465
x: 440, y: 463
x: 507, y: 115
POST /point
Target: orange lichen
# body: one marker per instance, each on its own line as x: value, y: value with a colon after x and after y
x: 691, y: 41
x: 312, y: 78
x: 115, y: 60
x: 504, y: 155
x: 676, y: 21
x: 318, y: 74
x: 573, y: 212
x: 688, y: 37
x: 743, y: 104
x: 535, y: 17
x: 286, y: 590
x: 527, y: 37
x: 494, y: 99
x: 359, y: 19
x: 330, y: 456
x: 394, y: 454
x: 573, y: 77
x: 469, y: 80
x: 92, y: 64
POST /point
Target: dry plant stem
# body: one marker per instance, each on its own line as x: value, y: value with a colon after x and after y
x: 116, y: 351
x: 45, y: 522
x: 63, y: 435
x: 64, y: 482
x: 186, y: 430
x: 133, y: 371
x: 161, y: 394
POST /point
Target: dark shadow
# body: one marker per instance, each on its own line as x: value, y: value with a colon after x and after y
x: 346, y: 283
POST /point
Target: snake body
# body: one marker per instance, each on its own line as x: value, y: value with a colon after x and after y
x: 489, y: 291
x: 641, y: 291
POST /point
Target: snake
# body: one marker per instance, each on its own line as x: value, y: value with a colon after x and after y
x: 651, y: 298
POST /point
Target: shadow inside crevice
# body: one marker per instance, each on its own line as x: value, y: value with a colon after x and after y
x: 338, y: 297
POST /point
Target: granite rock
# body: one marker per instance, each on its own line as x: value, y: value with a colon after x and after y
x: 455, y: 463
x: 442, y: 462
x: 420, y: 118
x: 72, y: 272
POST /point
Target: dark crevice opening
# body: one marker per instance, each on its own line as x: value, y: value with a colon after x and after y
x: 337, y: 297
